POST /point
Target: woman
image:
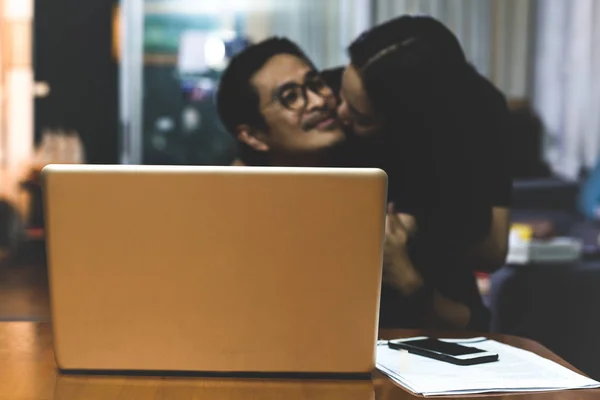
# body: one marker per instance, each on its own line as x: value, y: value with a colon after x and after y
x: 417, y: 109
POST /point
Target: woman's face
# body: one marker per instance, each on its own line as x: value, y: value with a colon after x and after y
x: 355, y: 109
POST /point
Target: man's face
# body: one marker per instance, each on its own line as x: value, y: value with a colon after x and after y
x: 298, y: 107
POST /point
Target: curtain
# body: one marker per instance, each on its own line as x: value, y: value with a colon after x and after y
x: 314, y: 25
x: 322, y: 28
x: 566, y: 92
x: 495, y: 34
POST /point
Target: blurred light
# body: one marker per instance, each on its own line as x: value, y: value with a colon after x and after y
x: 190, y: 119
x: 18, y: 91
x: 227, y: 34
x: 17, y: 9
x: 116, y: 32
x: 41, y: 89
x: 212, y: 7
x: 214, y: 52
x: 164, y: 124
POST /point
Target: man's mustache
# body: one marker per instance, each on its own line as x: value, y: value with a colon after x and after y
x: 318, y: 117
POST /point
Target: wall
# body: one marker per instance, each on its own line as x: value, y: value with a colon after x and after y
x: 73, y: 53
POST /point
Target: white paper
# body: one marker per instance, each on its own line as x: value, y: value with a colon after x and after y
x: 516, y: 370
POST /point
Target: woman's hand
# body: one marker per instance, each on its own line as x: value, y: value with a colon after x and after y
x: 398, y: 228
x: 398, y: 270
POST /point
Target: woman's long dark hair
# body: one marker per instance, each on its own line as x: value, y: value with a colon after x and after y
x: 413, y: 60
x: 421, y: 86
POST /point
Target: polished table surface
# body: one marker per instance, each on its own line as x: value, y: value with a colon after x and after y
x: 28, y: 372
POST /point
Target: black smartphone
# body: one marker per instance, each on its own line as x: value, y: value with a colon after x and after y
x: 444, y: 351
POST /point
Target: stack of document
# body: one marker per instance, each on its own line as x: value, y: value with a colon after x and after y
x: 523, y: 249
x: 516, y: 370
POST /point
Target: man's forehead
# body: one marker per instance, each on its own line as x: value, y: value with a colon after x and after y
x: 280, y: 69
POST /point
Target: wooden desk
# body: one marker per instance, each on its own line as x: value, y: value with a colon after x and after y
x: 28, y: 372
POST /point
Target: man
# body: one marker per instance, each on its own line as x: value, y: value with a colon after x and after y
x: 277, y: 105
x: 271, y: 98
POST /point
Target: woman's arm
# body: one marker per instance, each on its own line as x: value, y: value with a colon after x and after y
x: 489, y: 254
x: 441, y: 312
x: 399, y: 271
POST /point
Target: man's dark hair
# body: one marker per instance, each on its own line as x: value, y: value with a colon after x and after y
x: 237, y: 99
x: 333, y: 78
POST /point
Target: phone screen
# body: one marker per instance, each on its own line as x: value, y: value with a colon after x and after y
x: 439, y: 346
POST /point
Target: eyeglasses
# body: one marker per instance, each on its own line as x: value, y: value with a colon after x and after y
x: 294, y: 96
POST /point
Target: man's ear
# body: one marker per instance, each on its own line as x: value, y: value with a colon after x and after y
x: 252, y: 138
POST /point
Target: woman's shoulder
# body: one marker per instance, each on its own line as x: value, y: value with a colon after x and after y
x: 487, y: 93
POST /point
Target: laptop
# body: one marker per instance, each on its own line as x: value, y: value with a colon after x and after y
x: 214, y: 269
